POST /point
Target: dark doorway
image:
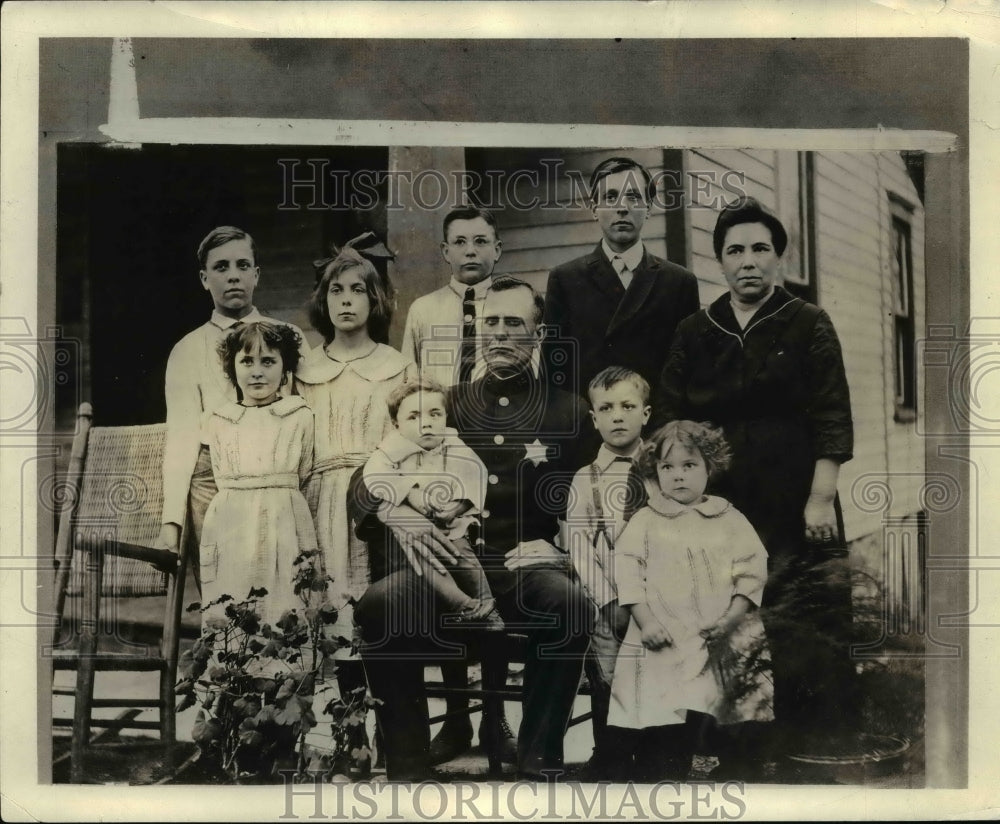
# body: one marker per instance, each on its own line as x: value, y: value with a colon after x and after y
x: 129, y: 224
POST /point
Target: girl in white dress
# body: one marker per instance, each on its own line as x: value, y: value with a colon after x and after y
x: 262, y: 454
x: 346, y: 383
x: 691, y: 570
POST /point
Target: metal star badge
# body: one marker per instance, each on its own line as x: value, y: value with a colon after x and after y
x: 536, y: 452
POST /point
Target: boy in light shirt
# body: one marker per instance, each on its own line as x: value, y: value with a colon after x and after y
x: 604, y: 496
x: 442, y: 328
x: 196, y: 384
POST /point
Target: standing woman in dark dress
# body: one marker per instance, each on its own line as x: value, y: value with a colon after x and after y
x: 767, y: 367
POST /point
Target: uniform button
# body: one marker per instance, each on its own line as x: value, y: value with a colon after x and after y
x: 498, y: 439
x: 468, y: 318
x: 494, y: 479
x: 486, y: 514
x: 504, y: 401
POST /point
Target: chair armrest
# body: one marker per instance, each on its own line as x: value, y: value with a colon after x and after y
x: 163, y: 559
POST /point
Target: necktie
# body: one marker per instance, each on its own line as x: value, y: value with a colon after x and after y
x: 636, y: 496
x: 623, y: 271
x: 467, y: 358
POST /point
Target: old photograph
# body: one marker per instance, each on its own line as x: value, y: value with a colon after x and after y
x: 554, y: 424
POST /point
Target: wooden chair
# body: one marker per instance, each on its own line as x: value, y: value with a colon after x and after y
x: 108, y: 523
x: 494, y: 654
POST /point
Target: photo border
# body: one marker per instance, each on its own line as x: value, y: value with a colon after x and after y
x: 26, y: 240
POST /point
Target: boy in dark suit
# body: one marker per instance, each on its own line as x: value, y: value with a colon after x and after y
x: 618, y: 305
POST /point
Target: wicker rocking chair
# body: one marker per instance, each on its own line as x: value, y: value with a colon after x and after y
x: 109, y: 521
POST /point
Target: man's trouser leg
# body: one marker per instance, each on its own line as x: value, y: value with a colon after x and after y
x: 558, y: 619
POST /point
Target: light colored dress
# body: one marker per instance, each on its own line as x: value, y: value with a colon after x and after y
x: 348, y: 400
x: 259, y: 521
x: 686, y: 563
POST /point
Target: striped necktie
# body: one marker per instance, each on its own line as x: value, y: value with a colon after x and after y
x: 468, y: 352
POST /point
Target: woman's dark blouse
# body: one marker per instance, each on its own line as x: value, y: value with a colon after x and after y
x: 778, y: 389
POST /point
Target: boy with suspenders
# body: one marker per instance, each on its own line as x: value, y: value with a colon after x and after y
x: 604, y: 496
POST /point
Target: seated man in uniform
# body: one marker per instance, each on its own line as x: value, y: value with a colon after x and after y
x: 530, y: 437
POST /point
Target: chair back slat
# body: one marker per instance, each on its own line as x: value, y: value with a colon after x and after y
x: 121, y: 498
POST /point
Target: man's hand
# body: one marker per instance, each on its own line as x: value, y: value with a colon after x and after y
x: 418, y: 537
x: 169, y: 538
x: 536, y: 554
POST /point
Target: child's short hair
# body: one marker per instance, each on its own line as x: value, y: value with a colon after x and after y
x: 703, y: 437
x: 250, y: 336
x: 404, y: 390
x: 612, y: 375
x: 470, y: 213
x: 381, y: 296
x: 219, y: 236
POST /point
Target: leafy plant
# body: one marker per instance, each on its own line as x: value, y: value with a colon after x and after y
x: 830, y: 631
x: 255, y: 681
x: 350, y: 753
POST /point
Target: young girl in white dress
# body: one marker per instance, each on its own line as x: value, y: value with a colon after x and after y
x: 346, y: 383
x: 691, y: 570
x: 262, y: 455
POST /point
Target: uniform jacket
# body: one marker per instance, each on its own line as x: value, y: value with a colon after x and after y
x: 532, y: 438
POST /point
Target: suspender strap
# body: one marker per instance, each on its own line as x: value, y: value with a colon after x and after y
x: 602, y: 524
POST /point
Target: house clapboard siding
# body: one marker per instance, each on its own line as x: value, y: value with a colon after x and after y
x: 855, y: 285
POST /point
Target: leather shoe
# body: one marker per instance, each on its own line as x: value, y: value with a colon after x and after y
x: 599, y: 768
x: 508, y: 743
x: 453, y: 739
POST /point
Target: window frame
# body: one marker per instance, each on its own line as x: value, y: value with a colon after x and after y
x: 904, y: 372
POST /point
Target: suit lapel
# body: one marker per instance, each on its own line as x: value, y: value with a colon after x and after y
x: 637, y: 293
x: 602, y: 274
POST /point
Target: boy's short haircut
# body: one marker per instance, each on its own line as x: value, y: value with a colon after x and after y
x: 277, y: 336
x: 219, y: 236
x: 470, y: 213
x: 701, y: 437
x: 612, y: 166
x: 404, y: 390
x: 612, y: 375
x: 503, y: 283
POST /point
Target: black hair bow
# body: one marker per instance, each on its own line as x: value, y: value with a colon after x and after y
x: 367, y: 245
